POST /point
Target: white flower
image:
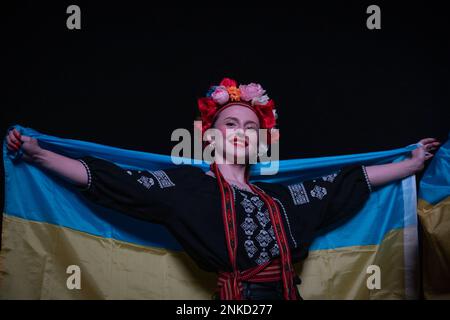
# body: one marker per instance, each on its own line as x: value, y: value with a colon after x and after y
x: 261, y: 100
x: 275, y: 113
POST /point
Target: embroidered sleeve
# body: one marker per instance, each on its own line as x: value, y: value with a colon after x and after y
x: 332, y: 198
x: 348, y: 193
x: 146, y: 195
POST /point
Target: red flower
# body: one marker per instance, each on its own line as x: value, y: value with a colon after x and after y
x: 227, y: 82
x: 208, y: 109
x: 265, y: 114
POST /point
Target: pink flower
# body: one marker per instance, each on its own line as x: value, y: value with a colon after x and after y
x: 251, y: 91
x: 220, y: 95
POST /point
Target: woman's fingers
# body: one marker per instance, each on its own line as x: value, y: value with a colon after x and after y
x: 427, y: 140
x: 16, y: 134
x: 13, y: 140
x: 12, y: 146
x: 432, y: 146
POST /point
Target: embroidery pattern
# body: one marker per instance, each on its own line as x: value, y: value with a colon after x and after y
x: 88, y: 171
x: 260, y: 233
x: 249, y: 226
x: 298, y: 193
x: 250, y: 248
x: 263, y: 258
x: 162, y: 178
x: 319, y: 192
x: 330, y: 177
x: 263, y: 218
x: 146, y: 181
x: 367, y: 178
x: 275, y: 250
x: 287, y: 221
x: 263, y: 238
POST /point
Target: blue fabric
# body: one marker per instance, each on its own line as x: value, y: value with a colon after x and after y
x: 38, y: 196
x: 435, y: 183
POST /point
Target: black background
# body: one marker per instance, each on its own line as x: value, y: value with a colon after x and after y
x: 132, y: 74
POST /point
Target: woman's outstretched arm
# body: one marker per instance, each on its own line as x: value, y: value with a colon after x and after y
x: 385, y: 173
x: 69, y: 169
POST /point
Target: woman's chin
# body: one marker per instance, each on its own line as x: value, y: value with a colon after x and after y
x: 240, y: 157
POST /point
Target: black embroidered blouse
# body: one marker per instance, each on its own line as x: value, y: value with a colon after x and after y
x: 187, y: 202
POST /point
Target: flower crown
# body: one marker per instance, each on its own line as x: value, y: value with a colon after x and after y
x: 228, y: 93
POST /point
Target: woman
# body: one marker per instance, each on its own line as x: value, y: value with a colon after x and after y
x: 250, y: 234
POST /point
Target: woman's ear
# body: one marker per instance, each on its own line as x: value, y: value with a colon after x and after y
x: 208, y: 138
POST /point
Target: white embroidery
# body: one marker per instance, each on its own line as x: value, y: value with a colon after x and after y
x: 272, y: 233
x: 287, y: 221
x: 162, y: 178
x: 263, y: 258
x: 250, y: 248
x: 257, y: 201
x: 330, y: 177
x: 247, y: 205
x: 88, y: 171
x: 263, y: 218
x: 263, y: 238
x: 275, y: 251
x: 369, y: 185
x: 146, y: 181
x: 298, y: 193
x: 249, y: 226
x: 318, y: 192
x: 129, y: 172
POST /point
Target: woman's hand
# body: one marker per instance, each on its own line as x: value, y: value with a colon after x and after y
x: 30, y: 146
x: 69, y: 169
x: 422, y: 154
x: 385, y: 173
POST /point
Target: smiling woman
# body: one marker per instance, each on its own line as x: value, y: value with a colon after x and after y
x: 255, y: 232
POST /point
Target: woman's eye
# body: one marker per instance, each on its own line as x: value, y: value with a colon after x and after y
x: 229, y: 123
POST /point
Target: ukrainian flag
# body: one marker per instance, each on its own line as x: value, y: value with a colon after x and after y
x: 58, y: 245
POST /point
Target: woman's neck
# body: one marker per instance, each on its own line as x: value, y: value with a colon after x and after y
x: 233, y: 173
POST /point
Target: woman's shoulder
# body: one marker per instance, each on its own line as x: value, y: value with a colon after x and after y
x: 185, y: 173
x: 184, y: 169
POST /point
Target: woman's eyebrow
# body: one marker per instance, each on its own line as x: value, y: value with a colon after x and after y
x: 237, y: 120
x: 250, y: 121
x: 231, y: 118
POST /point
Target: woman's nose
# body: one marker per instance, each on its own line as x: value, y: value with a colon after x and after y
x: 240, y: 132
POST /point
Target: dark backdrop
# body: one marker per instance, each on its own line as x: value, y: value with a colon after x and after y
x: 132, y: 74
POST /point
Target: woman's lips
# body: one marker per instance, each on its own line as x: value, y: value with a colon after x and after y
x: 239, y: 143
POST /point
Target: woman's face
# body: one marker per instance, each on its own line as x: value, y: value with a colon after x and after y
x: 239, y: 128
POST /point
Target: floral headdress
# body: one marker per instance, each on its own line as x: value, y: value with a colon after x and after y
x: 228, y: 93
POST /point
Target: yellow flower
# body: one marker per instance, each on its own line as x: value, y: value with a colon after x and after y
x: 235, y: 93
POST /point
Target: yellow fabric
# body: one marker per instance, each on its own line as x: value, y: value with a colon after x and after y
x: 342, y: 273
x: 35, y: 256
x: 435, y: 221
